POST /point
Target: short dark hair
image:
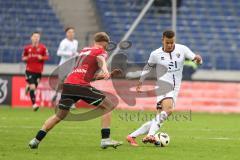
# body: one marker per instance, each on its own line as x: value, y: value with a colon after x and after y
x: 101, y: 37
x: 168, y: 34
x: 35, y: 32
x: 68, y: 28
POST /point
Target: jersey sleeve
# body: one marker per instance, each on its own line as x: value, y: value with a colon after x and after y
x: 45, y: 53
x: 188, y: 53
x: 24, y: 53
x: 152, y: 60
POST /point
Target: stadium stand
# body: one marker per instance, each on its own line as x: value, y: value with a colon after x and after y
x: 18, y: 19
x: 212, y: 32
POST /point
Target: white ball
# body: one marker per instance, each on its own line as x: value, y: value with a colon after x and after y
x: 162, y: 139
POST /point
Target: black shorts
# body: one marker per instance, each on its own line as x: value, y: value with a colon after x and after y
x: 72, y: 93
x: 33, y: 78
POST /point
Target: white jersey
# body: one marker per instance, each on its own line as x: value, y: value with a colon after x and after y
x: 169, y: 67
x: 67, y: 49
x: 173, y: 62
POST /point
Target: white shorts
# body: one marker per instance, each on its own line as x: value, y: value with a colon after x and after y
x: 171, y: 94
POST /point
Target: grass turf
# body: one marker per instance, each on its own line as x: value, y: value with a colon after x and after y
x: 193, y: 136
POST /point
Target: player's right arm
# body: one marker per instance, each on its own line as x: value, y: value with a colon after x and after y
x: 146, y: 70
x: 62, y: 50
x: 103, y: 66
x: 25, y: 55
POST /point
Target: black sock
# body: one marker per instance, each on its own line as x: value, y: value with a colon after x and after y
x: 32, y: 95
x: 40, y: 135
x: 105, y: 133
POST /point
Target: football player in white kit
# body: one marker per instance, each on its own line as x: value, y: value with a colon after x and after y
x: 68, y: 46
x: 66, y: 50
x: 168, y: 60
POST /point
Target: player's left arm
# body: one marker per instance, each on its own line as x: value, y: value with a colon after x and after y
x: 190, y: 55
x: 114, y: 73
x: 44, y: 56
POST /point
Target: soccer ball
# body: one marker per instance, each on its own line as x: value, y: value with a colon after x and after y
x: 162, y: 139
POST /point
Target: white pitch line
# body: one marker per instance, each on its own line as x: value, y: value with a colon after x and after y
x: 202, y: 130
x: 212, y: 138
x: 218, y: 138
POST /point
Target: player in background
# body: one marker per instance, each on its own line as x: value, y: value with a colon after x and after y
x: 77, y: 87
x: 66, y: 50
x: 68, y: 46
x: 171, y: 57
x: 34, y: 55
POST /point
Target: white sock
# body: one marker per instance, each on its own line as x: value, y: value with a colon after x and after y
x: 142, y: 130
x: 154, y: 127
x: 160, y: 118
x: 36, y: 140
x: 105, y: 140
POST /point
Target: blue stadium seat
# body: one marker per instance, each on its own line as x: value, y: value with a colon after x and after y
x: 20, y: 19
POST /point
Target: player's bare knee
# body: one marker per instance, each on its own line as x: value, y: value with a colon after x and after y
x: 59, y: 117
x: 61, y: 114
x: 32, y: 86
x: 107, y: 104
x: 167, y: 105
x: 168, y: 109
x: 169, y: 112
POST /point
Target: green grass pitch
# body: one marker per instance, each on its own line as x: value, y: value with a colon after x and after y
x: 193, y: 136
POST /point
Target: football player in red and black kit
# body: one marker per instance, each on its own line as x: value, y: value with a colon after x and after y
x: 34, y: 54
x: 77, y: 87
